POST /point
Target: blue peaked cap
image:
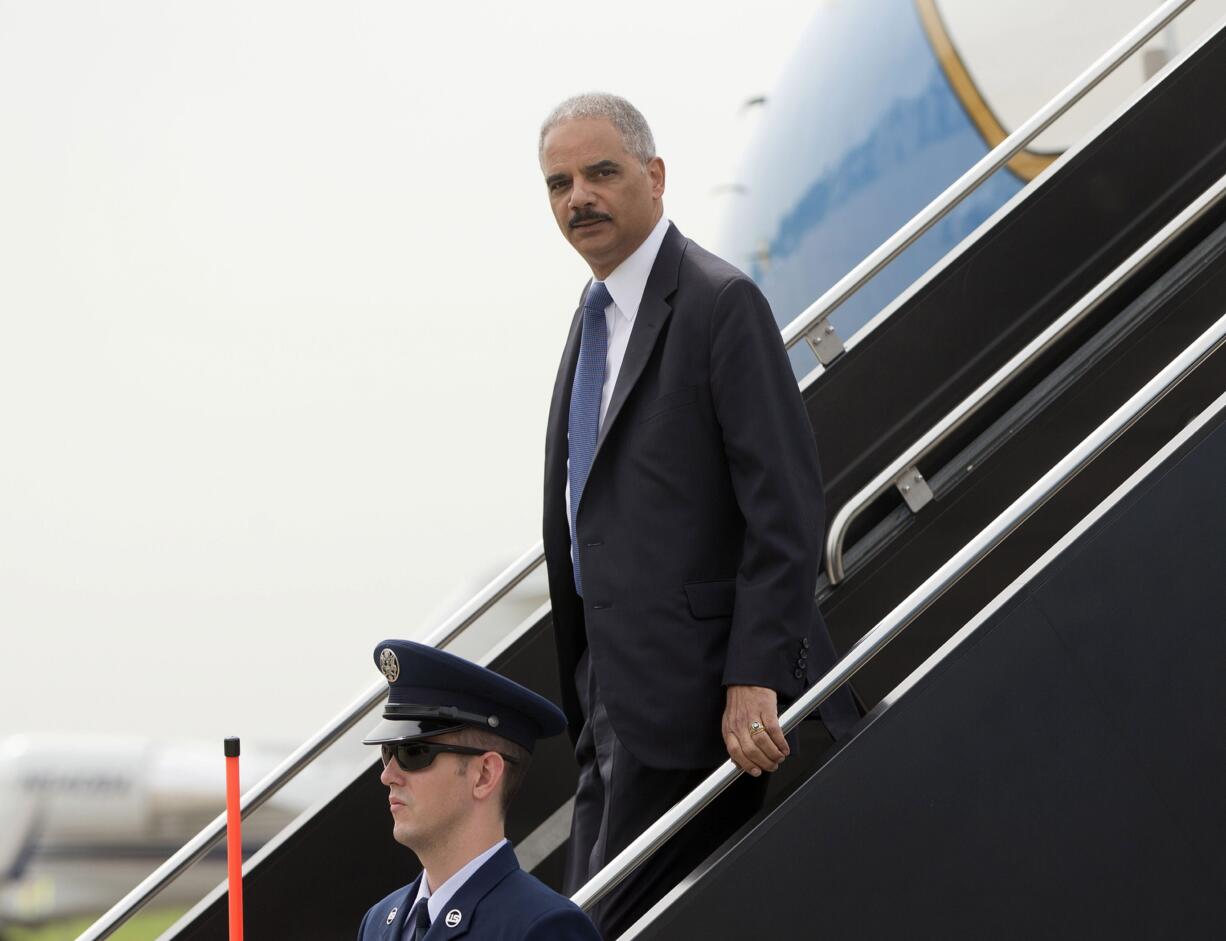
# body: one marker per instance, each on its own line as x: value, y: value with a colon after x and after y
x: 431, y: 692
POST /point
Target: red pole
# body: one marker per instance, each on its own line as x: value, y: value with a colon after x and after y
x: 234, y: 841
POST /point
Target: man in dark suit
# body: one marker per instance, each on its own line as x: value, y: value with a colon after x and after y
x: 456, y: 739
x: 683, y: 515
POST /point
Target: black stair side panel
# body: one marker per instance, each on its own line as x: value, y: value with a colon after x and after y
x: 1167, y: 705
x: 1058, y: 775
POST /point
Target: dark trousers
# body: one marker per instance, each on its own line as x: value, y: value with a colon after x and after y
x: 618, y: 798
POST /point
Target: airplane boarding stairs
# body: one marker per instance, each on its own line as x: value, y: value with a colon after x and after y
x: 1127, y: 233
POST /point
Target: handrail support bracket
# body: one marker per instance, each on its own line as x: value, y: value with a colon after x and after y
x: 825, y: 343
x: 913, y: 488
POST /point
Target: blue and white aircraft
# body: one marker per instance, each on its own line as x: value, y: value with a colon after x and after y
x: 885, y: 103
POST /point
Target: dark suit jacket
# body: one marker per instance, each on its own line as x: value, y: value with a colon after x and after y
x: 701, y: 521
x: 500, y: 902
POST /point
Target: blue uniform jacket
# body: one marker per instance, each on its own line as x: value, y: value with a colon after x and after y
x: 500, y: 902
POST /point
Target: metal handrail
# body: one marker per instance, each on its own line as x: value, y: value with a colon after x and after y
x: 903, y: 467
x: 913, y: 605
x: 192, y: 851
x: 812, y: 325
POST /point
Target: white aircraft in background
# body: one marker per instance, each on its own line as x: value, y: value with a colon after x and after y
x: 83, y: 820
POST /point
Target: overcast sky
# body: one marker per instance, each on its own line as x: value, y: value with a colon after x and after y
x: 281, y: 303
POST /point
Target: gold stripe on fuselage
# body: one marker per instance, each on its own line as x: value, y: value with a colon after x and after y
x: 1026, y: 164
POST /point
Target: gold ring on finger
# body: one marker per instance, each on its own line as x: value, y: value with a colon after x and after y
x: 755, y: 728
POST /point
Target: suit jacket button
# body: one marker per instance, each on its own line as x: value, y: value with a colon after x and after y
x: 799, y: 674
x: 802, y: 662
x: 805, y: 643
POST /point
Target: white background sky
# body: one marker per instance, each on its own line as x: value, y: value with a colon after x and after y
x: 281, y: 303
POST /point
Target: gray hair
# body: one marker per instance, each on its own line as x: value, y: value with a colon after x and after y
x: 636, y: 135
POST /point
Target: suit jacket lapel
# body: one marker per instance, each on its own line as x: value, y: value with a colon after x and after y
x: 654, y: 311
x: 395, y: 918
x: 556, y: 447
x: 462, y: 905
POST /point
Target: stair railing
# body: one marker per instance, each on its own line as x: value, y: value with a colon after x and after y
x: 903, y: 473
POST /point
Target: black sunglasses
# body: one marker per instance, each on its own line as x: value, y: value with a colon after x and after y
x: 414, y: 756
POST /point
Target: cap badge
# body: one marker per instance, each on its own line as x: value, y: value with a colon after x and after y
x: 453, y: 918
x: 390, y: 667
x: 391, y: 916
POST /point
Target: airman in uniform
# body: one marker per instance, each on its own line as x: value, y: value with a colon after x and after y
x: 456, y: 739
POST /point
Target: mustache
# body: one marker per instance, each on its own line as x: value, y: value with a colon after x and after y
x: 581, y: 217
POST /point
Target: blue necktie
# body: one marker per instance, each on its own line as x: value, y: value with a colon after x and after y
x: 584, y: 425
x: 420, y: 920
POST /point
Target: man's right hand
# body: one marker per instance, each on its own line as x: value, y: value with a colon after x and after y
x: 754, y: 750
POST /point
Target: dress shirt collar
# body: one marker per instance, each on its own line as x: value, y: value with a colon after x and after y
x: 438, y: 899
x: 628, y: 281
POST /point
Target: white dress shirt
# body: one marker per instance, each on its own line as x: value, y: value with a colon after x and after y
x: 437, y: 900
x: 626, y: 285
